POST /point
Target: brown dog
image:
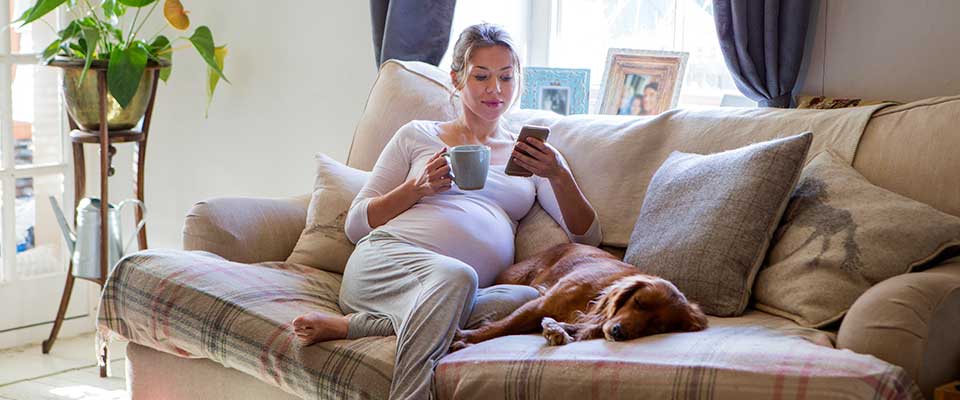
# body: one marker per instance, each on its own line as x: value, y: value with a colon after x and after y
x: 593, y: 295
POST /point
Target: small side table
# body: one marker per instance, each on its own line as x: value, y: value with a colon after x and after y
x: 105, y: 140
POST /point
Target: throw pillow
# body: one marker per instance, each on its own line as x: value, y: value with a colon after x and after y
x: 841, y: 235
x: 323, y: 243
x: 706, y: 221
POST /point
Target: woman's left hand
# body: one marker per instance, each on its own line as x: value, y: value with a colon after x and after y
x: 542, y: 159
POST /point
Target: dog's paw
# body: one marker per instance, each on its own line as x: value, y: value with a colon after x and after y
x: 458, y: 345
x: 554, y: 333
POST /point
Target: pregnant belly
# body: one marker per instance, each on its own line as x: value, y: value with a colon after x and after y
x: 478, y: 234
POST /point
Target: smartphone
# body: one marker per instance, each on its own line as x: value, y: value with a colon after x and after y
x: 540, y: 132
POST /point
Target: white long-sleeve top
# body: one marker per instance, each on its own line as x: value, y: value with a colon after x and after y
x: 474, y: 226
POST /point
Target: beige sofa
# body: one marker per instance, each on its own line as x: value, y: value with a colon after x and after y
x: 909, y: 322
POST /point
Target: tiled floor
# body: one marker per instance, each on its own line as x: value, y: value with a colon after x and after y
x: 68, y: 372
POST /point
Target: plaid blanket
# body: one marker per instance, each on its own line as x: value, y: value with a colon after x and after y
x: 756, y: 356
x: 196, y: 304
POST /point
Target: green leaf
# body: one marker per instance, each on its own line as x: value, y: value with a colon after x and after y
x: 113, y: 9
x: 136, y: 3
x: 51, y: 50
x: 161, y: 48
x: 159, y: 44
x: 77, y: 48
x: 39, y: 10
x: 71, y: 31
x: 23, y: 17
x: 213, y: 77
x: 124, y: 72
x: 81, y: 47
x: 202, y: 40
x: 92, y: 37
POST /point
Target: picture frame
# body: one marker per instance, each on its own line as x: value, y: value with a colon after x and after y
x: 641, y: 82
x: 565, y: 91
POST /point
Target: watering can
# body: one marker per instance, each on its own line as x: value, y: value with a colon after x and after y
x: 85, y: 244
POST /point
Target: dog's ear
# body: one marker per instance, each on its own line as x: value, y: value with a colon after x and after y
x: 694, y: 319
x: 618, y: 294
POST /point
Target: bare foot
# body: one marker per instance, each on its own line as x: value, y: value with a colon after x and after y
x: 319, y: 327
x: 554, y: 333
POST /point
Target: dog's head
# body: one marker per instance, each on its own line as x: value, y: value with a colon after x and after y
x: 642, y: 305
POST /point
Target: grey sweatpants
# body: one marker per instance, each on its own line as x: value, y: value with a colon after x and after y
x: 390, y: 285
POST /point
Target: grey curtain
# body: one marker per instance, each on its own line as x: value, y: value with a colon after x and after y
x: 762, y: 42
x: 411, y: 30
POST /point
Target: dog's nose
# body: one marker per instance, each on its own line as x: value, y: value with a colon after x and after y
x: 616, y: 332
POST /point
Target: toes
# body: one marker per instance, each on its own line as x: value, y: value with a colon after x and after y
x: 458, y: 345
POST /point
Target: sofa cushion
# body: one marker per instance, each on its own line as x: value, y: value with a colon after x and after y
x: 755, y: 356
x: 911, y: 150
x: 707, y: 220
x: 841, y: 235
x: 323, y: 243
x: 198, y: 305
x: 404, y: 91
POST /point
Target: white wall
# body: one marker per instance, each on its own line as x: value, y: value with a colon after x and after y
x: 885, y: 49
x: 300, y: 73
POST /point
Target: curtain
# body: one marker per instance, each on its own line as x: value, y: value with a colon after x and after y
x: 411, y: 30
x: 762, y: 43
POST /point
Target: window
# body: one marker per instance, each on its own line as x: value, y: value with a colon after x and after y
x: 578, y: 33
x: 33, y: 254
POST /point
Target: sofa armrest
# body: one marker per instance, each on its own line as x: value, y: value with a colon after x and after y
x: 246, y: 230
x: 911, y: 320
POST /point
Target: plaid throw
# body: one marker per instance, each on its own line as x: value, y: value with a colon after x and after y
x: 755, y: 356
x: 196, y: 304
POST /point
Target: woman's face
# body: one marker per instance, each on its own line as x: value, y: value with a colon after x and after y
x: 488, y: 90
x: 649, y: 100
x: 636, y: 106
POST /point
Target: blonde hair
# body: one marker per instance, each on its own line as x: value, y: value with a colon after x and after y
x: 480, y: 36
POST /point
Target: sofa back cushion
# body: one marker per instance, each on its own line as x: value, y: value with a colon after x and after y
x: 911, y: 149
x: 404, y: 91
x: 611, y: 157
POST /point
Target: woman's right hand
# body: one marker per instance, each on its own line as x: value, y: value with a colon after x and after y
x: 435, y: 177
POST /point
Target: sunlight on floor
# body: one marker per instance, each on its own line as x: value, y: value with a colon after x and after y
x: 86, y: 392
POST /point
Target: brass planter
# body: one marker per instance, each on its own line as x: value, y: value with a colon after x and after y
x: 83, y: 102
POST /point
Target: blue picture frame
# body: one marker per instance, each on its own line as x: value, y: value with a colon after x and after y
x: 565, y: 91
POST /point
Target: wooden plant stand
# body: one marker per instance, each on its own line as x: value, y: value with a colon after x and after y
x: 105, y: 139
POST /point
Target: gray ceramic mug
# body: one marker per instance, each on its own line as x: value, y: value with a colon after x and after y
x: 469, y: 165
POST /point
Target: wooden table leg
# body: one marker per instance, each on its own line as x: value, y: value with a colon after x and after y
x: 64, y: 302
x: 79, y: 187
x: 140, y: 148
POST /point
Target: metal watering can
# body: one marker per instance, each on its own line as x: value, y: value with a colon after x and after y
x: 85, y: 244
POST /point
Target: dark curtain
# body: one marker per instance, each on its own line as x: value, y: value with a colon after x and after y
x: 411, y: 30
x: 762, y: 42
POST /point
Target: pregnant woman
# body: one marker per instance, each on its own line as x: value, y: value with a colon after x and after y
x: 428, y: 251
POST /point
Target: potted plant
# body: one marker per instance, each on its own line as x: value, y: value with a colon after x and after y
x: 95, y: 39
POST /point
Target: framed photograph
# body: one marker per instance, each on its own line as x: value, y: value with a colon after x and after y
x: 564, y: 91
x: 641, y: 82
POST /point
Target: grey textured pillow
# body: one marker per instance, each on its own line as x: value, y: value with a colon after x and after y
x: 707, y: 220
x: 323, y: 243
x: 841, y: 235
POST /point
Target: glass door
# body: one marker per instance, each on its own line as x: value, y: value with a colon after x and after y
x: 33, y: 253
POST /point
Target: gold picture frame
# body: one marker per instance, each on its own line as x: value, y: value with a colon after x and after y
x: 642, y: 82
